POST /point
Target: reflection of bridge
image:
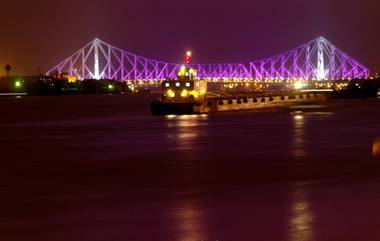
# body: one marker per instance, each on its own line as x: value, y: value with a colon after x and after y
x: 317, y: 59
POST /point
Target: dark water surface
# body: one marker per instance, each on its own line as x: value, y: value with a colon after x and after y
x: 102, y: 168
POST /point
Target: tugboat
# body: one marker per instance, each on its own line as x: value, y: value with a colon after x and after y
x: 183, y: 95
x: 187, y: 94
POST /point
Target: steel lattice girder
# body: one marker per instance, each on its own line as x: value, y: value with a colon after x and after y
x: 317, y: 59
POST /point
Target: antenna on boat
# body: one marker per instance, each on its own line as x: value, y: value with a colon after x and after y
x: 188, y: 57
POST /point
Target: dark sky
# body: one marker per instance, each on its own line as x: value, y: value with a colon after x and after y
x: 44, y: 32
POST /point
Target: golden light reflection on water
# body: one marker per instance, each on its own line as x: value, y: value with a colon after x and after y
x: 298, y: 144
x: 185, y: 129
x: 301, y: 219
x: 302, y: 216
x: 376, y: 148
x: 185, y: 120
x: 183, y: 132
x: 299, y: 120
x: 190, y: 224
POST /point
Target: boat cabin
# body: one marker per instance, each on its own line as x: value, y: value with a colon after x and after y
x: 186, y: 87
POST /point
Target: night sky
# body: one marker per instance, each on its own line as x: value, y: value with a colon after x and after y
x: 44, y: 32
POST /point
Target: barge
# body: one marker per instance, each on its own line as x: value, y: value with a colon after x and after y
x: 188, y: 95
x: 160, y: 107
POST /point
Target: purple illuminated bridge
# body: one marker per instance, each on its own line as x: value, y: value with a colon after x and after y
x: 318, y: 59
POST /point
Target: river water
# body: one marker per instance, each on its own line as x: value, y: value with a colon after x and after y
x: 102, y: 168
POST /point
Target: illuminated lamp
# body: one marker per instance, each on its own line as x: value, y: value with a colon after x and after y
x: 184, y: 93
x: 298, y: 85
x: 18, y: 84
x: 170, y: 93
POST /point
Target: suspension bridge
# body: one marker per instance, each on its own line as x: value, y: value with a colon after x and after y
x: 318, y: 59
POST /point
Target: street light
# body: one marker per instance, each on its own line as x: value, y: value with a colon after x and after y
x: 18, y: 84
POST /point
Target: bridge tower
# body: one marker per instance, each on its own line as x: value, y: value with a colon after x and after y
x: 96, y: 59
x: 321, y: 74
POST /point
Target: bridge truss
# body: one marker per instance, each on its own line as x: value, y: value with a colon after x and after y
x: 317, y: 59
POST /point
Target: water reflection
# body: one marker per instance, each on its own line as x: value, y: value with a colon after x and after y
x: 183, y: 132
x: 298, y: 140
x: 185, y: 129
x: 376, y: 148
x: 189, y: 220
x: 301, y: 220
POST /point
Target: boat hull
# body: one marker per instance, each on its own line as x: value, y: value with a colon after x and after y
x: 167, y: 108
x: 234, y: 104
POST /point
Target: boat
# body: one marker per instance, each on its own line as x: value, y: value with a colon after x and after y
x: 188, y: 94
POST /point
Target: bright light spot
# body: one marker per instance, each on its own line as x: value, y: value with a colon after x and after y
x: 187, y: 84
x: 110, y: 87
x: 178, y: 84
x: 376, y: 148
x: 72, y: 79
x: 18, y: 84
x: 195, y: 94
x: 182, y: 71
x: 298, y: 85
x: 171, y: 116
x: 167, y: 84
x: 188, y: 53
x: 184, y: 93
x: 170, y: 94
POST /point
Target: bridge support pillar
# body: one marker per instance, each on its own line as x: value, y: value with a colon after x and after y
x: 96, y: 59
x: 321, y: 63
